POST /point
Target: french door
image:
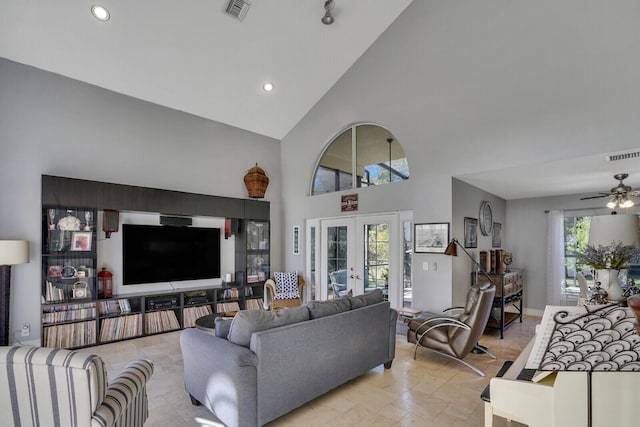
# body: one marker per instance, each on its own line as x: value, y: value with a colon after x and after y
x: 360, y: 254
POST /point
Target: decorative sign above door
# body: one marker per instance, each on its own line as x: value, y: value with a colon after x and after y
x: 349, y: 203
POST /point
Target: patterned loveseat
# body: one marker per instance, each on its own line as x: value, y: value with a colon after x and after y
x: 54, y: 387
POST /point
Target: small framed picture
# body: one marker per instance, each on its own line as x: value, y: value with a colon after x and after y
x: 496, y: 240
x: 470, y: 232
x: 431, y: 238
x: 54, y: 271
x: 81, y: 241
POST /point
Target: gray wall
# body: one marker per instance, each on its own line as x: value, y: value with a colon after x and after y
x: 57, y: 126
x: 468, y: 87
x: 466, y: 203
x: 527, y: 237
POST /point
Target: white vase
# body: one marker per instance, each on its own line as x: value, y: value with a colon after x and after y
x: 609, y: 282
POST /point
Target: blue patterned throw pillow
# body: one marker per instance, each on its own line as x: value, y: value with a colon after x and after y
x: 286, y: 285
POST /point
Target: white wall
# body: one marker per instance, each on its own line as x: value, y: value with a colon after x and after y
x: 58, y: 126
x: 110, y: 253
x: 473, y: 86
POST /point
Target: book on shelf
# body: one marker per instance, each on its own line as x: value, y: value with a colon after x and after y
x: 68, y: 315
x: 53, y: 293
x: 160, y: 321
x: 190, y: 314
x: 125, y: 306
x: 113, y: 306
x: 254, y: 304
x: 224, y: 307
x: 70, y: 335
x: 117, y: 328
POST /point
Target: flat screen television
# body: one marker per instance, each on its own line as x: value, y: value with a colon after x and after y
x: 152, y: 253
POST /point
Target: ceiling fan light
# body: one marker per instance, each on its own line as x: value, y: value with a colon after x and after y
x: 626, y: 203
x: 612, y: 203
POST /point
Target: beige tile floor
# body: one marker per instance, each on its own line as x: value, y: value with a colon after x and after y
x: 430, y: 391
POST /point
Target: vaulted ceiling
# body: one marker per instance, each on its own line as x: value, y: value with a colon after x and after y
x: 193, y: 57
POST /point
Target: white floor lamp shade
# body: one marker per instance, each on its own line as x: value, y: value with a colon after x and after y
x: 12, y: 252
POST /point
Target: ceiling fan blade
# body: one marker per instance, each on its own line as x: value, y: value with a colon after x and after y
x: 634, y: 193
x: 594, y: 197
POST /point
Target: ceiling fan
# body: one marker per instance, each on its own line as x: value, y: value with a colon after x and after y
x: 619, y: 194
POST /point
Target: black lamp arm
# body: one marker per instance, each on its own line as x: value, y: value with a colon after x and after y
x: 477, y: 265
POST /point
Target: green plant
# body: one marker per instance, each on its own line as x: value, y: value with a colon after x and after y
x: 615, y: 256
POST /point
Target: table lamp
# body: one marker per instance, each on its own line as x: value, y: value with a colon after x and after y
x: 12, y: 252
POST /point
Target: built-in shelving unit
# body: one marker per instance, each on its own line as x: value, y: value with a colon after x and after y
x: 75, y: 312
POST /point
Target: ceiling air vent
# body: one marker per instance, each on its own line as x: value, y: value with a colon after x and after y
x: 238, y: 8
x: 623, y: 156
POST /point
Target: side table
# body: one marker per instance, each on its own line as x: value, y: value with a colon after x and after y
x: 208, y: 323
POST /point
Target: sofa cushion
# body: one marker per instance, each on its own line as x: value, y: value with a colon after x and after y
x: 222, y: 326
x: 246, y: 322
x: 370, y: 297
x: 356, y: 302
x: 319, y: 309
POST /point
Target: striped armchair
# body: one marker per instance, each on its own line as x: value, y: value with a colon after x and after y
x: 55, y: 387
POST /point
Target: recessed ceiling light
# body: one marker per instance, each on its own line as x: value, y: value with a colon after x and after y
x: 268, y: 87
x: 100, y: 13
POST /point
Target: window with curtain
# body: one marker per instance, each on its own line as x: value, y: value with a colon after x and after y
x: 362, y: 155
x: 576, y: 238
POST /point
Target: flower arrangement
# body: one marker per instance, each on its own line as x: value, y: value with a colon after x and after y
x: 613, y: 257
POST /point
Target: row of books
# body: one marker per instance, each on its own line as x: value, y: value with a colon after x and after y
x: 160, y: 321
x: 190, y: 314
x: 113, y: 306
x: 53, y: 293
x: 68, y: 315
x: 70, y: 335
x: 117, y: 328
x: 67, y: 307
x: 224, y: 307
x: 254, y: 304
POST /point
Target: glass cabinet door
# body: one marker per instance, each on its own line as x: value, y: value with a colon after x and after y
x: 69, y: 255
x: 258, y: 244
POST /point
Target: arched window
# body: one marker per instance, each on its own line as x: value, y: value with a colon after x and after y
x: 371, y: 150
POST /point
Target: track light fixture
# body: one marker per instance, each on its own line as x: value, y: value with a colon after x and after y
x: 327, y: 19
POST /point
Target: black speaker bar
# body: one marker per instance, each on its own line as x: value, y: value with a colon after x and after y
x: 176, y: 221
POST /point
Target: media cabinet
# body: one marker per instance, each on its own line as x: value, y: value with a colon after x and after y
x: 75, y: 312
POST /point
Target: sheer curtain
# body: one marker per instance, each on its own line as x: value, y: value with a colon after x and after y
x: 555, y: 257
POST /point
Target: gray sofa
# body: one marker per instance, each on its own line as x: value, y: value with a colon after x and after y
x: 266, y: 364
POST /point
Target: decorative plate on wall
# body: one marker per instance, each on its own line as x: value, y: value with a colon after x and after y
x: 485, y: 218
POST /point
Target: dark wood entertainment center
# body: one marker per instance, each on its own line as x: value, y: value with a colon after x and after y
x: 74, y: 314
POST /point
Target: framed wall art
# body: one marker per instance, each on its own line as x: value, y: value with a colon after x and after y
x: 296, y: 239
x: 496, y: 240
x: 431, y: 238
x: 470, y: 232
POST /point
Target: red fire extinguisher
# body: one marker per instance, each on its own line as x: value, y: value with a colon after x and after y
x: 105, y: 280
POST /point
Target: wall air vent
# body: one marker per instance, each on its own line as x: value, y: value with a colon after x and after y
x: 623, y: 156
x: 238, y: 8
